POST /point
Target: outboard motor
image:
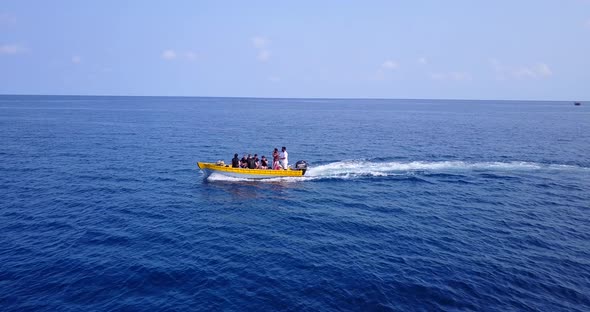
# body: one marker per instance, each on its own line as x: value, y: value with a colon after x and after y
x: 301, y: 165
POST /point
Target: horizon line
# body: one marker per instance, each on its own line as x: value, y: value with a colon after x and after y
x: 295, y: 98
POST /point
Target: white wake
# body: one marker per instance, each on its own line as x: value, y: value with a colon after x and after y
x: 361, y: 168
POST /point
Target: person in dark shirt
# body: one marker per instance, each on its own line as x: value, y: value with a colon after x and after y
x: 244, y: 162
x: 263, y: 163
x: 256, y: 161
x: 251, y: 162
x: 235, y: 162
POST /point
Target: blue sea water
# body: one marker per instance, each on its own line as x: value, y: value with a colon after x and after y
x: 409, y: 205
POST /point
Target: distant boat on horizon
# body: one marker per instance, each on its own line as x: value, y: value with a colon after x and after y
x: 577, y: 103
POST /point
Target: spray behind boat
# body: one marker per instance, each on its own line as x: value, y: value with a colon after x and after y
x: 301, y: 165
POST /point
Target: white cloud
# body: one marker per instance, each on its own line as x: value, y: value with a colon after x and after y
x: 495, y: 63
x: 460, y: 76
x: 390, y: 65
x: 451, y: 76
x: 535, y: 71
x: 543, y: 69
x: 76, y: 59
x: 384, y: 68
x: 12, y: 49
x: 190, y: 55
x: 422, y: 61
x: 7, y: 19
x: 263, y: 55
x: 169, y: 54
x: 261, y: 44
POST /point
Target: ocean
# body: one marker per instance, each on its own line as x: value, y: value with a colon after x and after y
x: 409, y: 205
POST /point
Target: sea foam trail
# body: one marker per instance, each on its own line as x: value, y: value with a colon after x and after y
x: 369, y: 168
x: 362, y: 168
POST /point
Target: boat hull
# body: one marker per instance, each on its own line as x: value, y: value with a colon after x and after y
x: 245, y: 173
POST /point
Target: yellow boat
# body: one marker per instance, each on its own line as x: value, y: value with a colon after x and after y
x: 246, y: 173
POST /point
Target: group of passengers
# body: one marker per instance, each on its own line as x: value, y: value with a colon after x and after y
x: 279, y: 161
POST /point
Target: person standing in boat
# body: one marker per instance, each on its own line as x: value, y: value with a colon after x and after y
x: 275, y: 159
x: 235, y: 162
x: 284, y: 158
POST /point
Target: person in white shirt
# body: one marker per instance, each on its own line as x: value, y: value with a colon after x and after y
x: 284, y: 158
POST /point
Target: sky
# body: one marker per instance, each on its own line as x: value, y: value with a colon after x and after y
x: 422, y: 49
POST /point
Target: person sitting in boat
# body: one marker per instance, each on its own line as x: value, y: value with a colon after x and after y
x: 256, y: 161
x: 235, y: 162
x: 244, y: 162
x: 284, y: 158
x: 275, y: 159
x: 251, y: 162
x: 276, y: 166
x: 263, y: 163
